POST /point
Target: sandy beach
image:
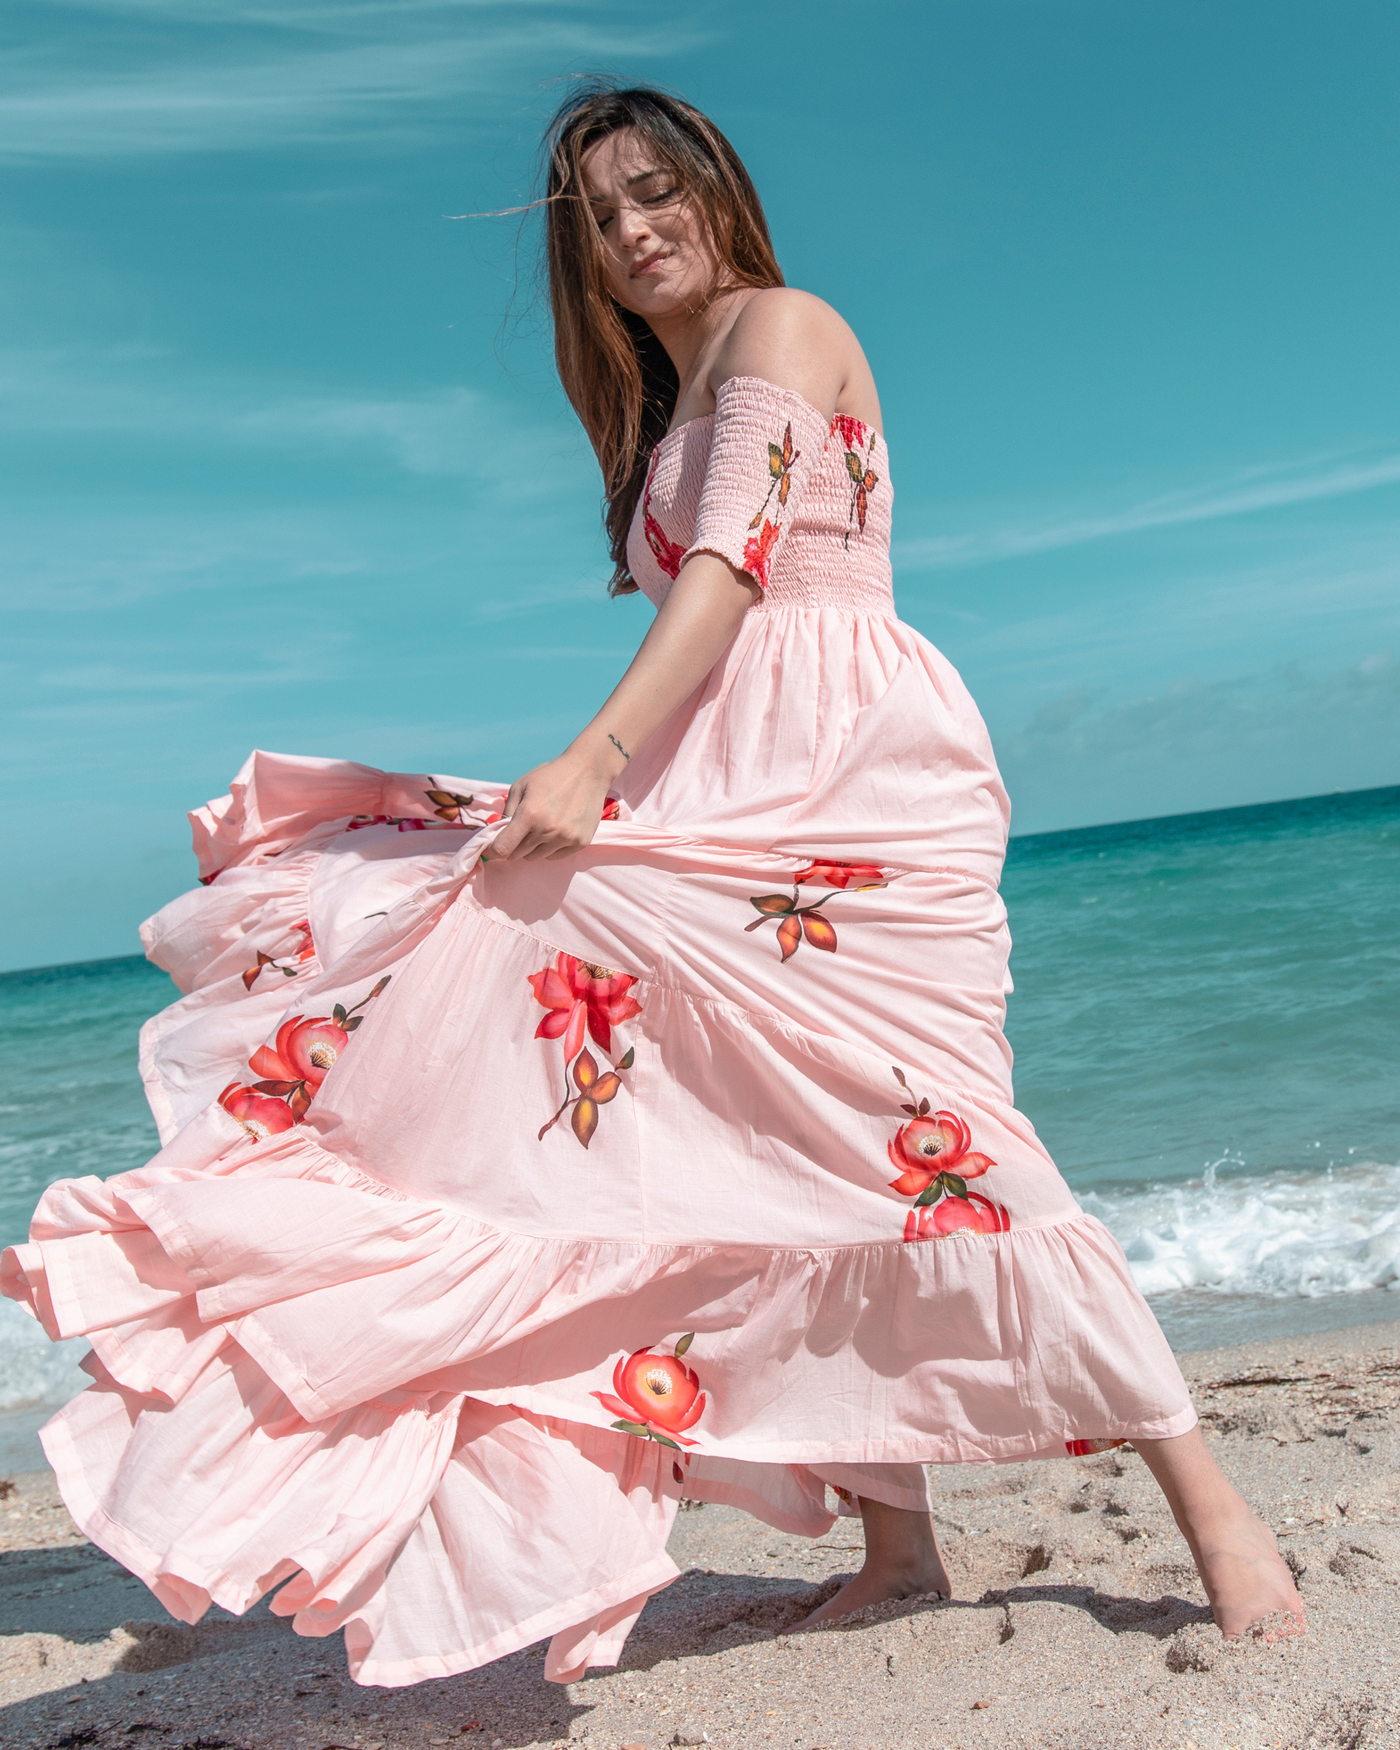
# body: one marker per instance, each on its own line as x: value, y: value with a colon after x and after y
x: 1077, y: 1618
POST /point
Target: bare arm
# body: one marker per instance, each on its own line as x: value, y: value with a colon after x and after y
x: 789, y: 339
x: 554, y: 810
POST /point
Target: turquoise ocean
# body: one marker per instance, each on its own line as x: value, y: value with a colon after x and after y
x: 1206, y: 1024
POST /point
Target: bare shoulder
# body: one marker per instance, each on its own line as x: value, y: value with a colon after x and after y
x: 794, y: 340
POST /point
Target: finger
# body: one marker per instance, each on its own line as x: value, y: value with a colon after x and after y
x: 516, y: 832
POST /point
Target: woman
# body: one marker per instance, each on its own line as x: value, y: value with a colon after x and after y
x: 648, y: 1131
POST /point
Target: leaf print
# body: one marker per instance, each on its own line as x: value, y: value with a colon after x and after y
x: 584, y: 1120
x: 780, y: 465
x: 448, y: 805
x: 584, y: 1001
x: 864, y: 480
x: 818, y: 932
x: 292, y: 1068
x: 803, y: 922
x: 305, y: 952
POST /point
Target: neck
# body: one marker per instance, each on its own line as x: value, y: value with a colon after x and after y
x: 686, y: 334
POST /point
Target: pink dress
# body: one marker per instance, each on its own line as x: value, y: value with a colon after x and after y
x: 501, y: 1205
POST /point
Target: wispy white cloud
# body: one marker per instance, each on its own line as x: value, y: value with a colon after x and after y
x: 1241, y: 494
x: 143, y: 394
x: 1292, y: 730
x: 157, y: 76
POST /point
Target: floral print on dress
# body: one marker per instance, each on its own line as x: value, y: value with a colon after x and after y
x: 781, y: 460
x: 934, y: 1157
x: 292, y: 1068
x: 864, y: 479
x: 758, y: 549
x: 448, y: 806
x: 667, y: 553
x: 288, y: 968
x: 758, y: 552
x: 582, y: 998
x: 656, y: 1396
x: 803, y: 922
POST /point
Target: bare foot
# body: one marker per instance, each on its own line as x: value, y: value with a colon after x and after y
x: 1248, y: 1582
x: 902, y: 1560
x: 1246, y: 1579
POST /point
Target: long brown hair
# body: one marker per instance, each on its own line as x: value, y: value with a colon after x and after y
x: 615, y: 371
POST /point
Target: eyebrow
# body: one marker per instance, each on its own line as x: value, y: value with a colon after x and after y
x: 631, y: 182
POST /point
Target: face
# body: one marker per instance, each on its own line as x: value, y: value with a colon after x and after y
x: 656, y: 250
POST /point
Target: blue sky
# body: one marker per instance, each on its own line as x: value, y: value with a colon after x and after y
x: 284, y: 464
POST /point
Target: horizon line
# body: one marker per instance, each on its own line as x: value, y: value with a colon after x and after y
x: 1022, y: 838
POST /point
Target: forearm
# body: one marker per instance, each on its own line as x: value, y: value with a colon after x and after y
x: 553, y: 811
x: 694, y: 627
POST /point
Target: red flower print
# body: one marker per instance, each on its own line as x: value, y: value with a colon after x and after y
x: 574, y: 991
x: 834, y: 874
x: 850, y: 431
x: 934, y: 1157
x: 758, y: 554
x: 292, y: 1068
x: 583, y: 998
x: 305, y: 1051
x: 306, y: 952
x: 667, y: 553
x: 804, y: 922
x: 657, y: 1396
x: 259, y: 1115
x: 1087, y: 1448
x: 970, y: 1214
x: 930, y: 1148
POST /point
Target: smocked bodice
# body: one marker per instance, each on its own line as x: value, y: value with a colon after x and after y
x: 768, y: 484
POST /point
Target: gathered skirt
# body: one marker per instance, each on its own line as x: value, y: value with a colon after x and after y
x: 502, y: 1205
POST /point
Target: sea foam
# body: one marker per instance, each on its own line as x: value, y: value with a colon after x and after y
x: 1279, y: 1234
x: 32, y: 1369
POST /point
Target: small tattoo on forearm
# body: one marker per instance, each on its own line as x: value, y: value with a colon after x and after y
x: 620, y: 748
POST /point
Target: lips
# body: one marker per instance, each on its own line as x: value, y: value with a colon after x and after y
x: 646, y: 265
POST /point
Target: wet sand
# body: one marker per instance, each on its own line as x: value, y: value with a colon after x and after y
x: 1077, y: 1618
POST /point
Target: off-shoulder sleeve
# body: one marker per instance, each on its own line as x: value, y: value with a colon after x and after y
x: 767, y: 444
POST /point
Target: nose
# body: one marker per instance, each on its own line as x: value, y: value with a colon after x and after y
x: 632, y: 226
